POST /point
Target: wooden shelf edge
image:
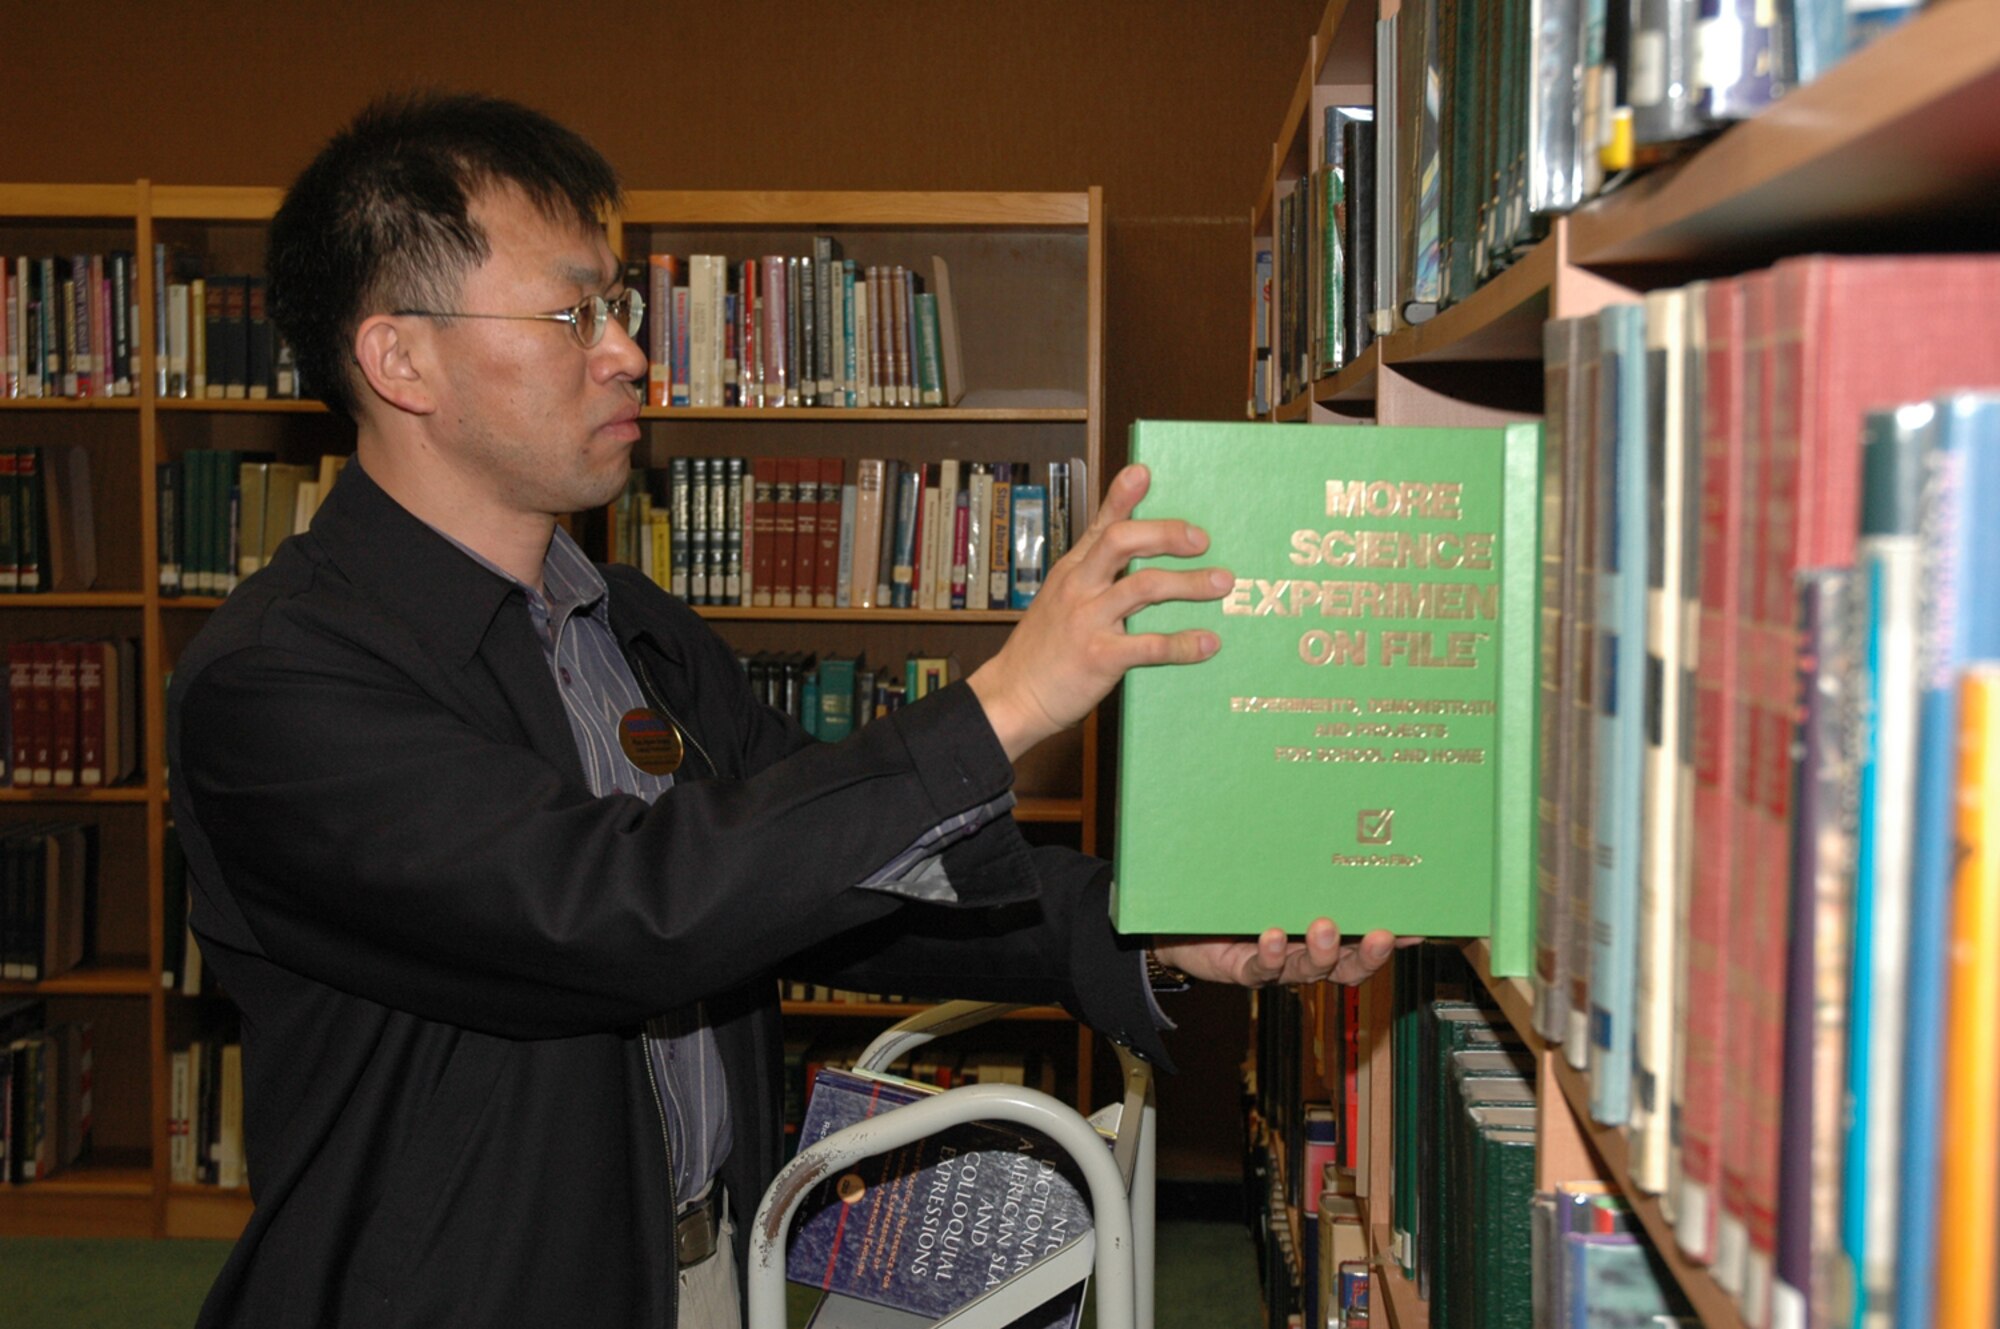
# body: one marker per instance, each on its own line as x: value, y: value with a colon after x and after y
x: 1716, y: 1307
x: 1057, y: 810
x: 1884, y: 132
x: 1502, y: 320
x: 51, y: 794
x: 109, y: 981
x: 245, y: 406
x: 72, y: 600
x: 84, y: 1180
x: 1391, y: 1289
x: 1351, y: 382
x: 215, y: 202
x: 61, y: 202
x: 69, y: 403
x: 1298, y: 408
x: 726, y: 207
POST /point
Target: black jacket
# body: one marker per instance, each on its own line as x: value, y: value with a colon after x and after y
x: 443, y: 947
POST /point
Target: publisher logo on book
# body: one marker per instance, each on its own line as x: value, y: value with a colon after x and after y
x: 1375, y: 826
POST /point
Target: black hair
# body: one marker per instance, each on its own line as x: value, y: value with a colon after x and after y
x: 381, y: 218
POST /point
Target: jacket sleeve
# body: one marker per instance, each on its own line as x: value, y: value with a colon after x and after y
x: 374, y: 839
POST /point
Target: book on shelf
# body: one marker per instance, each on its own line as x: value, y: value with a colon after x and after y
x: 73, y: 712
x: 1367, y: 685
x: 47, y: 1091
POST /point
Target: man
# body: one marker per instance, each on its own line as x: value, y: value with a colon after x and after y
x: 492, y: 848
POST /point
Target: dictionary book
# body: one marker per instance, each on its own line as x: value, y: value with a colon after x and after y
x: 1363, y: 745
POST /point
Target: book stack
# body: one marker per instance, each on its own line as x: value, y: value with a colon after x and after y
x: 48, y: 526
x: 1752, y: 847
x: 834, y: 695
x: 48, y: 887
x: 789, y: 330
x: 47, y: 1091
x: 73, y: 713
x: 205, y: 1114
x: 223, y: 513
x: 70, y: 327
x: 213, y: 334
x: 864, y: 533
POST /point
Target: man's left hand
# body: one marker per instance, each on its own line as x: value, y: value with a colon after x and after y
x: 1275, y: 958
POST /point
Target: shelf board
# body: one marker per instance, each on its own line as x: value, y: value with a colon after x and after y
x: 110, y: 1195
x: 222, y: 406
x: 1351, y: 382
x: 836, y: 208
x: 1290, y: 412
x: 205, y: 1211
x: 1048, y: 810
x: 190, y: 602
x: 871, y: 414
x: 124, y: 793
x: 898, y: 1010
x: 69, y: 403
x: 114, y: 979
x: 72, y: 600
x: 1502, y: 320
x: 1900, y: 132
x: 1390, y: 1289
x: 63, y: 202
x: 1716, y: 1307
x: 251, y: 203
x: 1516, y: 997
x: 758, y: 614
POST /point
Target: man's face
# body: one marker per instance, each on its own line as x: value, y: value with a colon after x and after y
x: 527, y: 417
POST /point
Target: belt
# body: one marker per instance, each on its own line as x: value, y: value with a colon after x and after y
x: 696, y: 1229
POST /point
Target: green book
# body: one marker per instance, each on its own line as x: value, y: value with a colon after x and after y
x: 1363, y: 746
x: 1503, y: 1188
x: 836, y: 698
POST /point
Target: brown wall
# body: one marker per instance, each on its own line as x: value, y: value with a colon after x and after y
x: 1170, y: 106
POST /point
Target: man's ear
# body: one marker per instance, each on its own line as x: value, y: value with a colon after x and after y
x: 392, y: 364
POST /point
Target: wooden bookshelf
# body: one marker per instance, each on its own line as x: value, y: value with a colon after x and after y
x: 1897, y: 147
x: 1028, y: 271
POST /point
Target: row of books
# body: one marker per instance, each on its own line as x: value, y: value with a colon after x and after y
x: 205, y: 1114
x: 863, y: 533
x: 71, y: 326
x: 1463, y: 1171
x: 797, y: 330
x: 47, y: 1091
x: 48, y: 526
x: 1490, y: 119
x: 72, y: 713
x: 216, y: 338
x: 48, y: 890
x: 833, y: 696
x: 799, y: 990
x: 1746, y: 869
x: 224, y: 512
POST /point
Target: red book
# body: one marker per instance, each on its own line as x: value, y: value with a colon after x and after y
x: 826, y: 581
x: 784, y: 531
x: 1706, y: 975
x: 21, y: 704
x: 42, y: 687
x: 805, y: 545
x: 63, y: 658
x: 763, y: 528
x: 961, y: 536
x: 1846, y: 335
x: 748, y: 311
x: 91, y: 659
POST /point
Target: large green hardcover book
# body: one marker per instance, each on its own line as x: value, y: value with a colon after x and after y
x: 1363, y: 745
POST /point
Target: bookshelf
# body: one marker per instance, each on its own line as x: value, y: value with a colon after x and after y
x: 1030, y: 274
x: 1893, y: 149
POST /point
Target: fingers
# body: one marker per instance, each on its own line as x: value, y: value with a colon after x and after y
x: 1157, y: 585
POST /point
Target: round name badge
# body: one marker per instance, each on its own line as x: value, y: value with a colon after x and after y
x: 650, y: 740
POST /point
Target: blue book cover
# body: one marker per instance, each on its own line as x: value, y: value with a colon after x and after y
x: 1959, y: 622
x: 1886, y: 592
x: 934, y: 1225
x: 1620, y: 748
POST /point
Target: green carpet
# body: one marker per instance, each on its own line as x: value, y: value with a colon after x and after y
x: 1207, y: 1279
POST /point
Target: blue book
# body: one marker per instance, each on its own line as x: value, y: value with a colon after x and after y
x: 1031, y: 544
x: 1886, y: 558
x: 1960, y: 622
x: 932, y: 1226
x: 1619, y: 741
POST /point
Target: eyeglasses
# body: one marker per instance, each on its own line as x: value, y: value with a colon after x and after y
x: 587, y: 319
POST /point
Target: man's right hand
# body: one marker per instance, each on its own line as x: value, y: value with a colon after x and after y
x: 1071, y: 647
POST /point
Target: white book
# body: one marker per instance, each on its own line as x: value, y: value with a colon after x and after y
x: 865, y: 392
x: 180, y: 1144
x: 177, y: 340
x: 1667, y: 781
x: 979, y: 534
x: 705, y: 322
x: 867, y: 532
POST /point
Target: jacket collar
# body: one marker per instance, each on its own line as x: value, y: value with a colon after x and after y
x: 444, y: 597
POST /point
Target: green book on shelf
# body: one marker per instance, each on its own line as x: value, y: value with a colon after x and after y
x: 1363, y: 746
x: 1503, y: 1189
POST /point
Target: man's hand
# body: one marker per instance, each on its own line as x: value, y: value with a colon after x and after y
x: 1274, y: 958
x: 1071, y: 647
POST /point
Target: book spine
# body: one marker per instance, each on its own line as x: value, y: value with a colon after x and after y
x: 826, y: 567
x: 680, y: 387
x: 998, y: 572
x: 659, y: 329
x: 868, y: 507
x: 843, y: 586
x: 909, y: 501
x: 1585, y: 408
x: 763, y: 529
x: 784, y: 532
x: 805, y: 530
x: 681, y: 480
x: 1560, y: 343
x: 732, y: 525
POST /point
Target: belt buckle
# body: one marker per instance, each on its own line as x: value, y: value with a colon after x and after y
x: 694, y: 1233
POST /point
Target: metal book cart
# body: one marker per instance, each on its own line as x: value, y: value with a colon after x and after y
x: 1118, y: 1249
